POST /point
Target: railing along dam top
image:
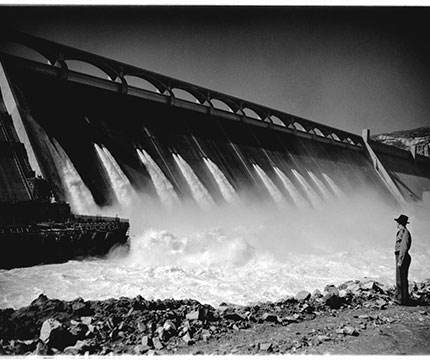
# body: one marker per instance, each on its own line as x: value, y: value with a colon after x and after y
x: 57, y: 56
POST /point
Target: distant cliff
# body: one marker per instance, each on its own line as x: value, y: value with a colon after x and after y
x: 405, y: 139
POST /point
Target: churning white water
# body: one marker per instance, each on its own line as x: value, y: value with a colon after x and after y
x: 227, y: 190
x: 249, y: 252
x: 119, y: 182
x: 254, y: 252
x: 163, y: 187
x: 198, y: 190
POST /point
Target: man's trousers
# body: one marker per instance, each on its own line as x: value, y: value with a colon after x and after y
x: 402, y: 287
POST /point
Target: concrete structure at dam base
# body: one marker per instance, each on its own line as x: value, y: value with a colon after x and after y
x: 34, y: 232
x: 69, y: 136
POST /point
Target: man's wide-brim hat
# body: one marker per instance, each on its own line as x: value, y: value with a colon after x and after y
x: 402, y: 219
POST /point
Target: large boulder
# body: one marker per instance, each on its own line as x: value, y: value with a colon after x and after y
x: 333, y: 301
x: 55, y: 335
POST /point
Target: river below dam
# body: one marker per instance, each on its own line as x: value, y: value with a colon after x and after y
x: 243, y: 253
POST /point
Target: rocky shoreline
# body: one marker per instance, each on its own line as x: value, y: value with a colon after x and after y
x: 138, y: 326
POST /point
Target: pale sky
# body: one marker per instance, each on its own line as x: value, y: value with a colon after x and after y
x: 350, y: 68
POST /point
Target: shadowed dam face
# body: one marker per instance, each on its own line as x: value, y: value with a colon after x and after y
x: 219, y: 210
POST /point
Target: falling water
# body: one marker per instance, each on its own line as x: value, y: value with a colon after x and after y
x: 320, y: 186
x: 120, y: 184
x: 338, y: 192
x: 198, y: 191
x: 164, y: 188
x: 77, y: 193
x: 289, y: 186
x: 312, y: 195
x: 225, y: 187
x: 242, y: 160
x: 271, y: 187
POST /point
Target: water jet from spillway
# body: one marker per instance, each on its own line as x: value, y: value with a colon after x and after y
x: 321, y: 187
x: 337, y: 191
x: 77, y: 193
x: 289, y: 186
x: 198, y: 191
x: 312, y: 195
x: 121, y: 186
x: 163, y: 187
x: 274, y: 192
x: 227, y: 190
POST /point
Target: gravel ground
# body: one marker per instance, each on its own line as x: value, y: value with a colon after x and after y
x: 356, y: 318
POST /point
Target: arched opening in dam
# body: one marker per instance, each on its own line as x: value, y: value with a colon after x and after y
x: 225, y: 203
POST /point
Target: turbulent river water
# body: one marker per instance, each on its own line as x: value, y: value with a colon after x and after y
x: 241, y: 253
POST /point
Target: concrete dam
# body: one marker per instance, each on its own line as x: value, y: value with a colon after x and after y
x: 98, y: 140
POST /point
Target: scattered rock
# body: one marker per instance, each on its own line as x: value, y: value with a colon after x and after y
x: 354, y: 288
x: 80, y: 307
x: 316, y: 294
x: 195, y: 315
x: 303, y: 296
x: 187, y: 339
x: 137, y: 325
x: 331, y: 290
x: 157, y: 343
x: 55, y: 335
x: 343, y: 293
x: 347, y: 330
x: 142, y: 326
x: 270, y: 317
x: 332, y: 300
x: 78, y: 330
x: 322, y: 338
x: 233, y: 315
x: 146, y: 341
x: 381, y: 304
x: 42, y: 349
x: 368, y: 285
x: 86, y: 320
x: 78, y: 348
x: 141, y: 349
x: 266, y: 347
x: 292, y: 318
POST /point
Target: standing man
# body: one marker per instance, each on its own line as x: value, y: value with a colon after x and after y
x: 403, y: 259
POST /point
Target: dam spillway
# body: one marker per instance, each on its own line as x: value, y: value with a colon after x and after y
x: 248, y: 143
x: 111, y: 148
